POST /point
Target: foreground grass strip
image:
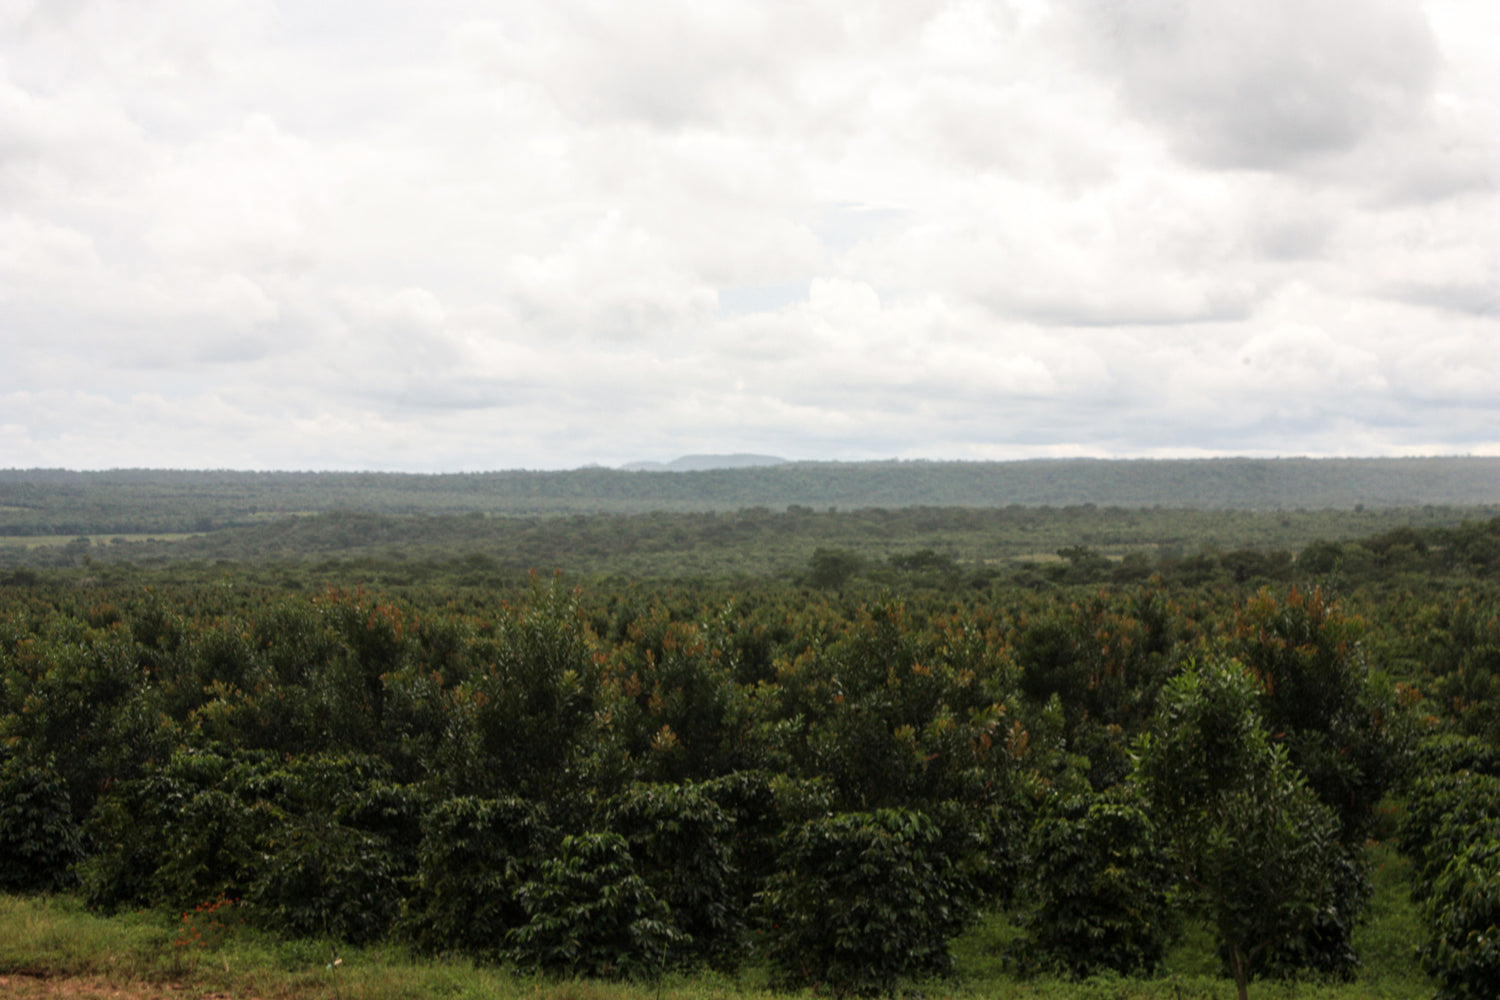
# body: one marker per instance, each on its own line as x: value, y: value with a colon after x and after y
x: 51, y: 948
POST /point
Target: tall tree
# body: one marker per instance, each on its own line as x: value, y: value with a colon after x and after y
x: 1255, y: 850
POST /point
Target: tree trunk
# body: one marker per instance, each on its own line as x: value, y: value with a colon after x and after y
x: 1239, y: 966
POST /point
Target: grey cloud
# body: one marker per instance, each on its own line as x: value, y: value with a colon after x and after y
x: 1182, y: 304
x: 1468, y: 299
x: 672, y: 66
x: 442, y: 391
x: 1265, y: 85
x: 682, y: 63
x: 1442, y: 161
x: 1291, y: 238
x: 1107, y: 276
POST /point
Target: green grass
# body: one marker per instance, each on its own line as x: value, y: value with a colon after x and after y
x: 1386, y: 941
x: 1392, y: 929
x: 56, y: 936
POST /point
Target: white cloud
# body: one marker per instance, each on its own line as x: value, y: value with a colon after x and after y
x: 301, y: 235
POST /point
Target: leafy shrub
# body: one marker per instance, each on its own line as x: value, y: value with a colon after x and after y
x: 308, y: 783
x: 1463, y: 913
x: 1451, y: 831
x: 84, y: 713
x: 1446, y: 753
x: 392, y: 813
x: 325, y: 880
x: 475, y: 856
x: 139, y: 826
x: 589, y: 913
x: 519, y: 726
x: 1324, y: 944
x: 128, y: 832
x: 680, y: 841
x: 864, y: 899
x: 1100, y: 884
x: 214, y: 847
x: 1440, y: 818
x: 39, y: 842
x: 750, y: 799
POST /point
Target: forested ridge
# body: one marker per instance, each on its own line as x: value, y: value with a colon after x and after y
x: 143, y: 501
x: 829, y: 774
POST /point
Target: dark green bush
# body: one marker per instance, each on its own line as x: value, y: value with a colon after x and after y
x: 590, y: 914
x: 128, y: 833
x: 1463, y: 914
x: 1451, y: 830
x: 215, y: 846
x: 520, y: 726
x: 681, y: 842
x: 1099, y: 885
x: 325, y: 880
x: 475, y: 856
x: 83, y: 711
x: 1447, y: 753
x: 39, y: 841
x: 138, y: 827
x: 863, y: 900
x: 750, y: 800
x: 393, y: 813
x: 1442, y: 812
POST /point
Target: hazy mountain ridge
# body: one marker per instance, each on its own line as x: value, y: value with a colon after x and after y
x: 704, y: 463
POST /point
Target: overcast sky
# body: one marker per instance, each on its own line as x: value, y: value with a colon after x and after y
x: 441, y: 236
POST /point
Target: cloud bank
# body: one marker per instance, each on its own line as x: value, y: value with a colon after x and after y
x: 259, y: 234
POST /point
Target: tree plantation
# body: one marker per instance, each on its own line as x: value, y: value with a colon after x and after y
x: 622, y: 780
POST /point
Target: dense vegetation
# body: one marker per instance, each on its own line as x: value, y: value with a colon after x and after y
x: 828, y: 776
x: 154, y: 502
x: 896, y: 547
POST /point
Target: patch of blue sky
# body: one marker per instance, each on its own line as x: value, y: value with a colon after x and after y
x: 745, y: 300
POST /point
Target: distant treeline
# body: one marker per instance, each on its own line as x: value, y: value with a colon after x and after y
x: 126, y: 502
x: 946, y: 547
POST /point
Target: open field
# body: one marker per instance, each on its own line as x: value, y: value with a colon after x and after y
x: 57, y: 541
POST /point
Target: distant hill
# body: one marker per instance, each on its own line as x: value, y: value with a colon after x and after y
x: 144, y: 501
x: 702, y: 463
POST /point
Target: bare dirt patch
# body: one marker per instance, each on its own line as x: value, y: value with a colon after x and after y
x: 95, y: 988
